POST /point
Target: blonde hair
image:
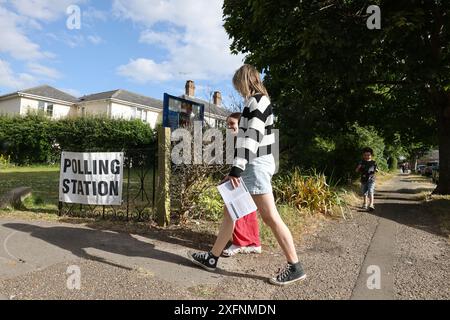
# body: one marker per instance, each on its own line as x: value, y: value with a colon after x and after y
x: 247, y: 81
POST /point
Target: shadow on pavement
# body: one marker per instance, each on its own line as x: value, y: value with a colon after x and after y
x: 77, y: 240
x: 183, y: 236
x: 396, y: 198
x: 410, y: 213
x: 409, y: 191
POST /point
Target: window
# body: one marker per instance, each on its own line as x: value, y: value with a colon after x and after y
x: 45, y: 108
x: 145, y: 116
x: 141, y: 114
x: 219, y: 123
x: 41, y: 106
x: 50, y: 110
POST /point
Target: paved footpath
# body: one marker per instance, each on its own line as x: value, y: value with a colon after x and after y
x: 406, y: 251
x: 400, y: 240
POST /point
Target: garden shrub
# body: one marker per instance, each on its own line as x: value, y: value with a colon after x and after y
x: 36, y: 139
x: 209, y: 204
x: 194, y: 191
x: 308, y: 192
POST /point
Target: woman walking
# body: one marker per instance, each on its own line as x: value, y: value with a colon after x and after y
x: 255, y: 164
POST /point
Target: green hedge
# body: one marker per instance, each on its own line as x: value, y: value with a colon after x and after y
x: 35, y: 139
x: 338, y: 156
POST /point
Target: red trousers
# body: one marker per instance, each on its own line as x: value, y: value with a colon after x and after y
x: 246, y: 231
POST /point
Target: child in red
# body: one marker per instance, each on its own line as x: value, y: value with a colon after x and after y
x: 246, y: 230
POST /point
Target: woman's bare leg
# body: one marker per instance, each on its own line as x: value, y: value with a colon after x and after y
x: 271, y: 217
x: 225, y: 234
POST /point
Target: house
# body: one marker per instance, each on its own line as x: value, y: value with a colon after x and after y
x: 113, y: 104
x: 215, y: 114
x: 53, y: 102
x: 122, y: 104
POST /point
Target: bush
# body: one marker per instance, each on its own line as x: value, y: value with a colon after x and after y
x: 5, y: 161
x: 337, y: 156
x: 36, y: 139
x: 194, y: 193
x: 209, y: 204
x: 307, y: 192
x: 26, y: 140
x: 103, y: 134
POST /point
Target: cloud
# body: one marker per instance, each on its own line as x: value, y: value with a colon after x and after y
x: 145, y: 70
x: 72, y: 40
x: 44, y: 10
x: 198, y: 49
x: 41, y: 70
x: 18, y: 19
x: 168, y: 40
x: 78, y: 40
x: 92, y: 14
x: 13, y: 39
x: 95, y: 39
x: 11, y: 80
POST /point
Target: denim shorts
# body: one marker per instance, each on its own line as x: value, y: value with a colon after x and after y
x: 368, y: 188
x: 258, y: 174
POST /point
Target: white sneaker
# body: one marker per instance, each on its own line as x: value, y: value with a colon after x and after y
x: 251, y: 249
x: 233, y: 250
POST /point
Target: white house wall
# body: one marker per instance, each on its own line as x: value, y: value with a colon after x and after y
x: 210, y: 121
x: 153, y: 118
x: 120, y: 111
x: 59, y: 110
x: 94, y: 108
x: 10, y: 106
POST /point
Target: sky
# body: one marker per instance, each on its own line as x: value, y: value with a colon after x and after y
x: 145, y: 46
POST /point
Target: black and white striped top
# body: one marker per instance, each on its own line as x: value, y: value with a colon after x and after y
x: 255, y: 137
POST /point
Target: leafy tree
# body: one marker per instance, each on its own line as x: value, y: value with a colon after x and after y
x: 327, y: 71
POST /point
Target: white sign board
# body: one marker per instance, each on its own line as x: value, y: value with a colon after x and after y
x: 91, y: 178
x: 238, y: 201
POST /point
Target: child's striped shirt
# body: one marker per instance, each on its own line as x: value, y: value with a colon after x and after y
x: 255, y: 137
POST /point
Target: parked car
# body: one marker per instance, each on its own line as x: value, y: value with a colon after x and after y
x: 421, y: 169
x: 429, y: 168
x: 435, y: 174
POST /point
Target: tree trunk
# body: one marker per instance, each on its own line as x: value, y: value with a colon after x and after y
x: 443, y: 119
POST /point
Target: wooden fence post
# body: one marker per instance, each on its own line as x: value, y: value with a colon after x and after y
x: 163, y: 188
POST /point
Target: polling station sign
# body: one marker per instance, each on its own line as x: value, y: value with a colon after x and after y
x: 91, y: 178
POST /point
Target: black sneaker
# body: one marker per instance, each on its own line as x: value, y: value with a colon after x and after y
x: 206, y: 260
x: 289, y: 274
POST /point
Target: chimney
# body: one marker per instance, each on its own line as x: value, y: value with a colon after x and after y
x: 217, y: 98
x: 190, y: 88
